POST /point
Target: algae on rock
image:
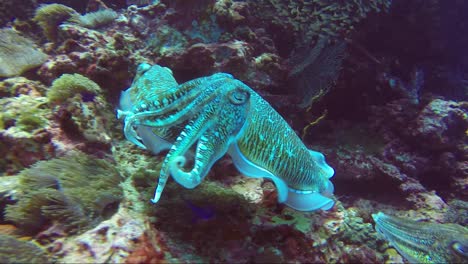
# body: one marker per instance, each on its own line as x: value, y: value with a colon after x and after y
x: 13, y: 250
x: 27, y: 113
x: 82, y: 108
x: 68, y: 85
x: 76, y: 191
x: 49, y: 17
x: 96, y: 19
x: 18, y: 54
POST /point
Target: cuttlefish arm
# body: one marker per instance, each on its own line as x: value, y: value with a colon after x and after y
x: 421, y: 242
x: 149, y: 85
x: 218, y: 114
x: 213, y: 131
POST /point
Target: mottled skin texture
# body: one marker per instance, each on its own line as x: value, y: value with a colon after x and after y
x: 207, y: 117
x: 421, y: 242
x: 279, y: 150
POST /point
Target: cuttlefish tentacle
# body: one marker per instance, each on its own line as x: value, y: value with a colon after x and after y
x: 188, y: 105
x: 214, y: 143
x: 191, y: 133
x: 230, y: 117
x: 167, y: 95
x: 214, y: 129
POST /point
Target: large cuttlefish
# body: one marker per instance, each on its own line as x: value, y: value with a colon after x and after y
x: 203, y: 119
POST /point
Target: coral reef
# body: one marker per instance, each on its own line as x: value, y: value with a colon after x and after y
x: 11, y: 10
x: 24, y: 135
x: 82, y: 112
x: 49, y: 17
x: 114, y: 240
x: 379, y: 87
x: 18, y: 54
x: 319, y: 18
x: 13, y: 250
x: 73, y: 192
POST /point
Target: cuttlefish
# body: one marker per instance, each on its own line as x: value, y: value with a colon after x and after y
x: 203, y: 119
x: 424, y: 242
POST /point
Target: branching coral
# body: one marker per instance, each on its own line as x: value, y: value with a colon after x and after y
x: 77, y: 190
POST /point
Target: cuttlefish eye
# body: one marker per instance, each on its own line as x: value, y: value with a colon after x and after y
x: 238, y: 96
x: 143, y: 67
x: 460, y: 248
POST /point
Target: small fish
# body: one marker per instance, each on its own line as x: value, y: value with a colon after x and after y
x: 199, y: 213
x: 421, y: 242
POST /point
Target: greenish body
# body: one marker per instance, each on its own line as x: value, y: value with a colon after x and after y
x: 205, y: 118
x: 279, y: 150
x: 421, y: 242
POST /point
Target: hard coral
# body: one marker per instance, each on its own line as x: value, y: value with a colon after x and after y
x: 443, y: 123
x: 91, y: 53
x: 145, y: 252
x: 231, y: 13
x: 81, y: 111
x: 318, y: 17
x: 24, y: 138
x: 112, y: 241
x: 20, y: 85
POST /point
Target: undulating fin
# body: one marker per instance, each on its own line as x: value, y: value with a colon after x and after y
x: 215, y: 115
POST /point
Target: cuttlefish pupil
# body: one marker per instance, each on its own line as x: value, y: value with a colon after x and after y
x: 208, y: 117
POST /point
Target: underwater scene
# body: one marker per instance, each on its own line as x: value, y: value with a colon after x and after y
x: 233, y: 131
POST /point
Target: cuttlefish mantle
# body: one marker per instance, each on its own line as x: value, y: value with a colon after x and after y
x: 205, y: 118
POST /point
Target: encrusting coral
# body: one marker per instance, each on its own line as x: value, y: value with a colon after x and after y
x: 24, y: 124
x: 319, y: 17
x: 76, y: 191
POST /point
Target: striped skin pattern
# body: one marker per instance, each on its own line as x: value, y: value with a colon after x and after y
x: 205, y: 118
x: 270, y: 143
x: 421, y: 242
